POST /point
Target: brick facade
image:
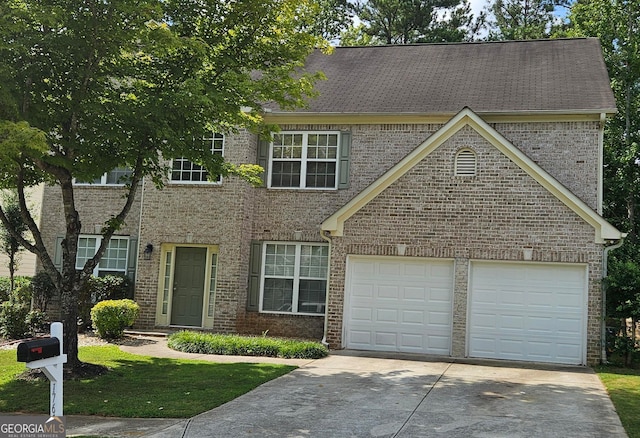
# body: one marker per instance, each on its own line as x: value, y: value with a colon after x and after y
x: 491, y: 216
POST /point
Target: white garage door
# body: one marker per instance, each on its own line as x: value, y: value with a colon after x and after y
x: 399, y: 304
x: 528, y: 311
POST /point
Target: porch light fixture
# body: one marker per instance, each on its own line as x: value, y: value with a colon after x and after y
x: 147, y: 251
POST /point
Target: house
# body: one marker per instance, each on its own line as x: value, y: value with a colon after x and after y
x: 26, y: 259
x: 436, y: 199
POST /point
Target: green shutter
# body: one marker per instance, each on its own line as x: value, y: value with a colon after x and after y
x: 263, y: 158
x: 132, y: 259
x: 344, y: 160
x: 57, y: 252
x: 255, y: 270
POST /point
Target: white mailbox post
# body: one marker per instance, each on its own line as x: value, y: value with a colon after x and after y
x: 47, y: 355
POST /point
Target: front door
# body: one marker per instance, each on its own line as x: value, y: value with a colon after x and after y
x: 188, y: 286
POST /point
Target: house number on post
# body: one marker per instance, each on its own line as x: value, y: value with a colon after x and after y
x: 47, y: 354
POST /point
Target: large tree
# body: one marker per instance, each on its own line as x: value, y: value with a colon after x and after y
x: 524, y: 19
x: 91, y: 85
x: 415, y: 21
x: 617, y: 24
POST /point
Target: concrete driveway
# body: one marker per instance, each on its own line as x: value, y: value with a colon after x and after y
x: 349, y: 395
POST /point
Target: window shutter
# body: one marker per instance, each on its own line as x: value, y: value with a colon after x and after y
x: 263, y: 158
x: 57, y: 252
x: 344, y: 160
x: 132, y: 258
x: 255, y: 270
x: 465, y: 163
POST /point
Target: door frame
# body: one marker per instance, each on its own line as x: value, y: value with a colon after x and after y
x: 164, y: 296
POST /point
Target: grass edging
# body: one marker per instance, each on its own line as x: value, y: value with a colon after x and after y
x: 235, y: 345
x: 136, y: 386
x: 623, y: 386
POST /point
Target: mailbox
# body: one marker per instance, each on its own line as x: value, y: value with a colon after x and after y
x: 37, y: 349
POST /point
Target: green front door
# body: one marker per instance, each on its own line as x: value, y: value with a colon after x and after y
x: 188, y: 286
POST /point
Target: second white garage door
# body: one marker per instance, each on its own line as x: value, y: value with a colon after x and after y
x: 528, y: 311
x: 399, y: 304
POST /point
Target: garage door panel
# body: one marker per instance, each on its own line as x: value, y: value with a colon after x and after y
x: 411, y: 304
x: 388, y: 292
x: 413, y: 317
x: 386, y: 315
x: 361, y: 314
x: 539, y: 314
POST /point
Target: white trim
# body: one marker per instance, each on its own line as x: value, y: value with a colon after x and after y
x: 304, y: 160
x: 304, y: 118
x: 98, y: 240
x: 213, y: 151
x: 604, y: 231
x: 296, y: 277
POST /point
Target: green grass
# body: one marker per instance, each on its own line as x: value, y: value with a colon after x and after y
x: 136, y: 386
x: 212, y: 343
x: 623, y: 385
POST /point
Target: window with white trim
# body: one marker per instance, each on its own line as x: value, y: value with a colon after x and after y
x: 465, y: 163
x: 116, y: 177
x: 294, y: 278
x: 304, y: 160
x: 114, y: 259
x: 186, y: 172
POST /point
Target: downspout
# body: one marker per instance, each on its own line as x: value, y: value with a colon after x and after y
x: 326, y: 293
x: 600, y: 195
x: 605, y: 258
x: 139, y: 230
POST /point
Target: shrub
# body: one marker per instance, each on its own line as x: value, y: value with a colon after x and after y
x: 110, y: 287
x: 43, y: 290
x: 18, y: 292
x: 16, y: 320
x: 210, y: 343
x: 111, y: 317
x: 13, y: 320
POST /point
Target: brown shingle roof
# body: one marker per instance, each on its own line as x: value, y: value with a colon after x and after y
x: 565, y: 76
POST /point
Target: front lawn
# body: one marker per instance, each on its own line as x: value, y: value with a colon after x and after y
x: 136, y: 386
x: 623, y: 385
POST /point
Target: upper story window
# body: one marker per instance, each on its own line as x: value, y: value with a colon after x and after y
x: 465, y: 163
x: 114, y: 260
x: 117, y: 177
x: 304, y: 160
x: 185, y: 171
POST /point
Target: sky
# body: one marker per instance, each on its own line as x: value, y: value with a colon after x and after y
x: 477, y: 6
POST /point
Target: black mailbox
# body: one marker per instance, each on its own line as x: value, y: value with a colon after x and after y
x: 37, y: 349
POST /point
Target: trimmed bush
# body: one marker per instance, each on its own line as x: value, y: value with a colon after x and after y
x: 111, y: 317
x: 96, y: 289
x: 210, y: 343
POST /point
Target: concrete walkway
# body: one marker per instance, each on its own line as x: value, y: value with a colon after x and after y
x: 353, y: 395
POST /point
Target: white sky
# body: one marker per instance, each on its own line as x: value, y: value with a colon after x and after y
x: 477, y: 6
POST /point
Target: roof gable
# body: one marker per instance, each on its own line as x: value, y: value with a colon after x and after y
x: 564, y: 76
x: 603, y: 230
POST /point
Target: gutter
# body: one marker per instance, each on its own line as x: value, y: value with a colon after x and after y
x: 326, y: 294
x: 605, y: 258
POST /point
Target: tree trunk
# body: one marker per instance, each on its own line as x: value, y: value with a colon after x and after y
x: 69, y: 307
x: 12, y: 272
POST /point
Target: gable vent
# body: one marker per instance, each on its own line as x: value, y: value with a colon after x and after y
x: 465, y: 163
